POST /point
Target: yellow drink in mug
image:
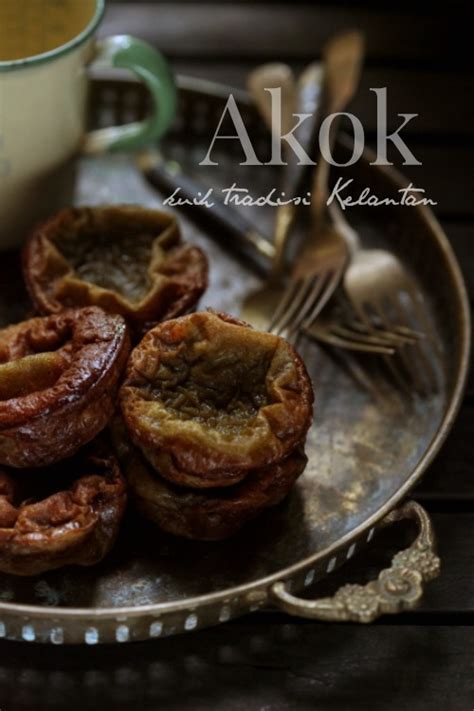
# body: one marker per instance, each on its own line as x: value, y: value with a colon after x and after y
x: 45, y: 49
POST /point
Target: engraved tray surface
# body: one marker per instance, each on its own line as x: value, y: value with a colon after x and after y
x: 363, y: 455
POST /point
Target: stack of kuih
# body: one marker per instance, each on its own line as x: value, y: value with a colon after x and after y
x: 212, y: 415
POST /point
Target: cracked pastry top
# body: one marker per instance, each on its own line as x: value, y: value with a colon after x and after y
x: 128, y: 260
x: 59, y: 376
x: 66, y: 514
x: 208, y: 399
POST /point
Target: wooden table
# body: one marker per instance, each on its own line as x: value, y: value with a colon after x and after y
x: 422, y: 660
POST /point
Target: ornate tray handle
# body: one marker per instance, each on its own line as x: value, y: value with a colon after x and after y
x: 397, y: 588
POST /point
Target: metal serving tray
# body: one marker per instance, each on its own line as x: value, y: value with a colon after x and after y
x: 364, y: 456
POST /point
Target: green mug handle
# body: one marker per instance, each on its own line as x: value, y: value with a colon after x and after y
x: 125, y: 52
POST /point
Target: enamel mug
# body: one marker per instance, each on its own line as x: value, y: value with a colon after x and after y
x: 46, y: 50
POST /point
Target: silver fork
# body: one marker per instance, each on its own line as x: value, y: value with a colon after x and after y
x: 301, y: 310
x: 316, y: 274
x: 352, y: 336
x: 338, y: 329
x: 319, y: 268
x: 298, y: 97
x: 385, y: 296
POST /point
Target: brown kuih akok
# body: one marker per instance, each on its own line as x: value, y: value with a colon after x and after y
x: 59, y: 376
x: 209, y: 515
x: 128, y: 260
x: 66, y: 514
x: 208, y: 399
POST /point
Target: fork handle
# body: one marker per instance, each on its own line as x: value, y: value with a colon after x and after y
x: 309, y: 98
x: 305, y: 98
x: 342, y: 62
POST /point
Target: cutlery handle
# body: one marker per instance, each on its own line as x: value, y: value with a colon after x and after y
x: 304, y: 98
x: 221, y: 221
x: 342, y: 68
x: 273, y: 75
x: 309, y: 94
x: 295, y: 175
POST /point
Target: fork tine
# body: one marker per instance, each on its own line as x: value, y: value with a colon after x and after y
x: 322, y: 300
x: 398, y: 374
x: 355, y: 331
x: 409, y: 334
x: 365, y: 316
x: 362, y: 340
x: 348, y: 323
x: 356, y: 342
x: 291, y: 306
x: 286, y: 299
x: 396, y: 335
x: 311, y: 301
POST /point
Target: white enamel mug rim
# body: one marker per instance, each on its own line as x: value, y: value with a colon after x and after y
x: 10, y: 65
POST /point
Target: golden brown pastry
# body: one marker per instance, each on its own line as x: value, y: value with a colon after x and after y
x: 208, y: 399
x: 128, y: 260
x: 209, y: 515
x: 58, y: 382
x: 67, y: 514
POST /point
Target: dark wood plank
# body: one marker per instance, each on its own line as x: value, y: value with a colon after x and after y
x: 252, y: 666
x: 234, y: 30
